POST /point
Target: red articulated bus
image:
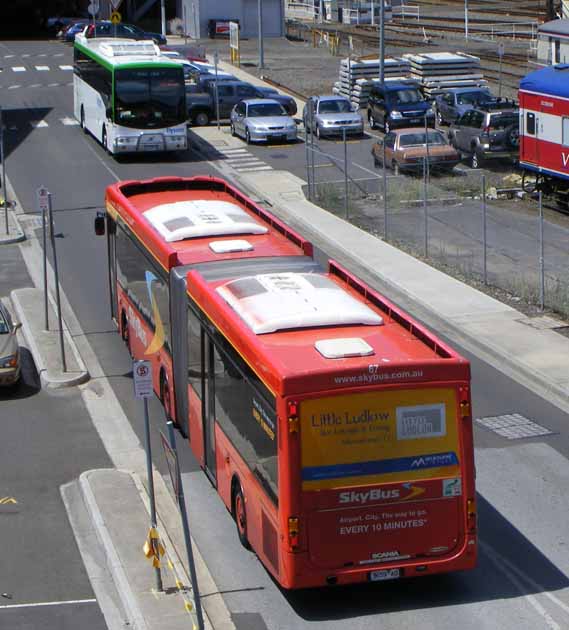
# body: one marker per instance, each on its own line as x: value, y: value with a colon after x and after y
x: 336, y: 430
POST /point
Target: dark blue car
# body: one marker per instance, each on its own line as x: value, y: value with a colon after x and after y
x: 125, y: 31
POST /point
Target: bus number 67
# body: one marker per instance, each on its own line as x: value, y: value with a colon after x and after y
x: 373, y: 368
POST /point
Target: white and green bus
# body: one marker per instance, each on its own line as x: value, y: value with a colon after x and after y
x: 128, y: 96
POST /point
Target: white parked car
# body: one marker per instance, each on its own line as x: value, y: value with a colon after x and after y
x: 10, y: 368
x: 262, y: 120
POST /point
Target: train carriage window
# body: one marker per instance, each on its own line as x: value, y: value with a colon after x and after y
x: 565, y: 135
x: 530, y: 124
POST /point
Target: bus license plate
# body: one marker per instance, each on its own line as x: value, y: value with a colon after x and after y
x: 384, y: 574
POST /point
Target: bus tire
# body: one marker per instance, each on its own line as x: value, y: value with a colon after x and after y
x: 125, y: 334
x: 165, y: 396
x: 240, y: 514
x: 104, y: 140
x: 82, y: 120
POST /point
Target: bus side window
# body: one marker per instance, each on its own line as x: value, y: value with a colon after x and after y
x: 530, y: 123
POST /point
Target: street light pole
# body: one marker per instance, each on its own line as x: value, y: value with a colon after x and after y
x: 260, y: 18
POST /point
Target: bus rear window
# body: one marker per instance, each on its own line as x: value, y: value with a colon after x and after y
x: 378, y: 437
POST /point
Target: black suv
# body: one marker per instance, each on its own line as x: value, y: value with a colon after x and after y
x: 397, y: 104
x: 488, y: 131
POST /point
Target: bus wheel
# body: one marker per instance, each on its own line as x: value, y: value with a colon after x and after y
x: 240, y: 516
x: 82, y: 123
x: 165, y: 396
x: 104, y: 140
x: 125, y: 333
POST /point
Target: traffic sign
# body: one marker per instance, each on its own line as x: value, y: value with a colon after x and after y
x: 142, y: 372
x: 115, y: 17
x: 42, y: 194
x: 93, y: 8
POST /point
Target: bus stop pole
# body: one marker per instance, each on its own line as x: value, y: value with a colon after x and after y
x: 150, y: 476
x: 186, y: 526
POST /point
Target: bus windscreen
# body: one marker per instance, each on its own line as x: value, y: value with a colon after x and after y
x: 149, y: 98
x: 378, y: 437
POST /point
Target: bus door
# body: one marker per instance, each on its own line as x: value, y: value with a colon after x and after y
x: 112, y: 249
x: 208, y: 408
x: 529, y: 134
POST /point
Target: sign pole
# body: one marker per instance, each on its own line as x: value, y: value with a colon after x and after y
x: 57, y: 297
x: 43, y: 202
x: 500, y: 54
x: 186, y: 528
x: 142, y: 372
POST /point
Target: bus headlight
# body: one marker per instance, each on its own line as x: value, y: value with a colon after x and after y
x: 125, y: 140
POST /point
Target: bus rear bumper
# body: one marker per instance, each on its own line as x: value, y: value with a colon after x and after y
x: 303, y: 574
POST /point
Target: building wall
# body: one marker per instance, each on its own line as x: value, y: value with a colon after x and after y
x: 199, y: 12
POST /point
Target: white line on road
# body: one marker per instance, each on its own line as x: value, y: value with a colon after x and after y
x: 26, y: 55
x: 52, y: 84
x: 36, y: 124
x: 36, y: 605
x: 18, y: 69
x: 8, y: 56
x: 517, y: 577
x: 231, y: 151
x: 258, y: 168
x: 66, y: 67
x: 35, y: 85
x: 14, y: 87
x: 58, y: 55
x: 70, y: 122
x: 42, y: 68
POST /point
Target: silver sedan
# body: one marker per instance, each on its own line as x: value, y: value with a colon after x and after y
x: 262, y: 120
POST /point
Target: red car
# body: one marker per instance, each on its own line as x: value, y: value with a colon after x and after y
x: 406, y: 150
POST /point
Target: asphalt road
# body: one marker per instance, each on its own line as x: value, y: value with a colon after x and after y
x: 521, y: 581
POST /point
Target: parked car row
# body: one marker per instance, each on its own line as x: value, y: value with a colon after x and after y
x: 105, y: 28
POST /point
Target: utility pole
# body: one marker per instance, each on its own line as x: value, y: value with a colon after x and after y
x: 163, y: 16
x: 260, y: 18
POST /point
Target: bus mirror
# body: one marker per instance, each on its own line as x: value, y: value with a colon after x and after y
x: 100, y: 224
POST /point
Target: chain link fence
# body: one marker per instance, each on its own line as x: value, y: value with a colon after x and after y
x: 457, y: 222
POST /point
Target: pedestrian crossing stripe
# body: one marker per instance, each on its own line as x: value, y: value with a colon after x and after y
x: 42, y: 68
x: 18, y: 68
x: 66, y: 67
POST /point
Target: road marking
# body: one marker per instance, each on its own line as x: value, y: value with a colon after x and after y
x: 35, y: 85
x: 66, y: 67
x: 52, y: 84
x: 258, y: 168
x: 70, y: 122
x: 247, y: 157
x: 38, y: 604
x: 36, y: 124
x: 231, y: 151
x: 247, y: 164
x: 7, y: 501
x: 58, y: 55
x: 14, y: 87
x: 517, y: 577
x: 18, y: 69
x: 8, y: 56
x: 42, y: 55
x: 42, y: 68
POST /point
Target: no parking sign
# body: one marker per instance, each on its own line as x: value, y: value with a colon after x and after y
x: 142, y: 373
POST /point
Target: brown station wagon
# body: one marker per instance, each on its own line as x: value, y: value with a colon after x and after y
x: 406, y: 149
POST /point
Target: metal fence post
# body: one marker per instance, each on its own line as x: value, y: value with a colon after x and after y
x: 346, y: 211
x: 426, y: 214
x: 484, y: 230
x: 3, y: 159
x: 384, y: 193
x: 541, y: 257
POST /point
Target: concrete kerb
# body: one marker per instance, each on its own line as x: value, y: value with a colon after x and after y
x: 50, y: 377
x: 16, y: 233
x: 501, y: 357
x: 114, y: 564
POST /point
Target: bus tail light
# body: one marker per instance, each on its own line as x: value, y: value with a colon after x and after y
x: 293, y: 528
x: 471, y: 515
x: 465, y: 409
x: 292, y: 413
